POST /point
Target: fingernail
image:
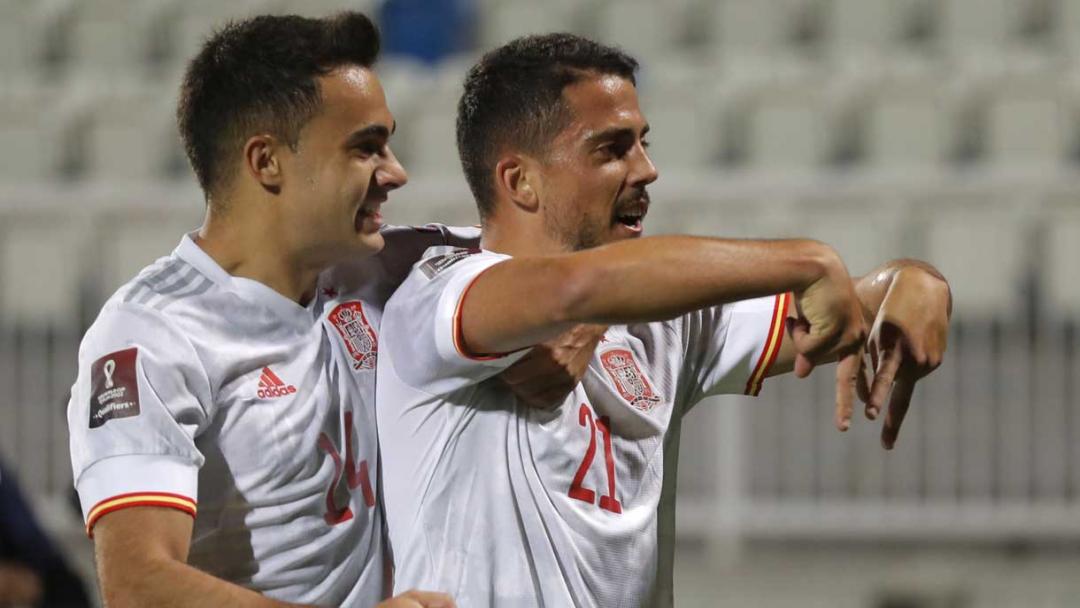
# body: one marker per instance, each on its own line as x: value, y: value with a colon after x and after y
x: 872, y: 413
x: 845, y: 425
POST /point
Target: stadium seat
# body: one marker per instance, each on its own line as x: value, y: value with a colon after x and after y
x: 507, y: 20
x: 130, y: 135
x: 23, y: 42
x: 855, y: 28
x: 113, y: 38
x: 906, y: 124
x: 972, y: 27
x: 1068, y: 27
x: 788, y: 128
x: 643, y: 27
x: 426, y: 139
x: 741, y: 28
x: 1060, y: 255
x: 1028, y: 122
x: 982, y: 247
x: 34, y: 123
x: 39, y: 279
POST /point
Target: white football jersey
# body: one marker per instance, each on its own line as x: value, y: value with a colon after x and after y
x: 502, y: 505
x: 216, y: 395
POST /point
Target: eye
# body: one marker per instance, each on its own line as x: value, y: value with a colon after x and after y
x: 369, y: 148
x: 645, y: 143
x: 616, y: 149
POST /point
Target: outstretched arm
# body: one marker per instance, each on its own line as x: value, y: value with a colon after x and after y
x: 525, y: 301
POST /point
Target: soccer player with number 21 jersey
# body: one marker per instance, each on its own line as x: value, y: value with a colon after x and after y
x: 502, y: 505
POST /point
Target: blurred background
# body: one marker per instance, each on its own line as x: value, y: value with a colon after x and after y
x: 947, y: 130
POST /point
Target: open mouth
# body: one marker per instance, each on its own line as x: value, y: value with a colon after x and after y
x: 369, y: 215
x: 632, y: 217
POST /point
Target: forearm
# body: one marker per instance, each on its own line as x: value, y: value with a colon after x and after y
x: 634, y: 281
x: 172, y: 584
x: 169, y: 583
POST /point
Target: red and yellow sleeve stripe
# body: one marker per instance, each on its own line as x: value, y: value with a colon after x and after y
x: 773, y: 340
x: 139, y: 499
x: 459, y: 336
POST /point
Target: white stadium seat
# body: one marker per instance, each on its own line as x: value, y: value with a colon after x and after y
x: 644, y: 28
x: 131, y: 136
x: 33, y: 127
x: 22, y: 42
x: 906, y: 124
x: 426, y: 138
x: 1028, y: 122
x: 973, y: 27
x: 788, y: 129
x: 982, y: 248
x: 113, y: 38
x: 507, y: 20
x: 39, y: 276
x: 741, y: 28
x: 1061, y: 254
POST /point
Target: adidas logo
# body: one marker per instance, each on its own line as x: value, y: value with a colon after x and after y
x: 272, y: 386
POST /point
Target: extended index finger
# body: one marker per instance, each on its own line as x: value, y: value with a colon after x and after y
x: 884, y: 375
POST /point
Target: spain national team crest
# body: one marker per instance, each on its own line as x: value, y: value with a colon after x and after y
x: 627, y: 377
x: 357, y: 334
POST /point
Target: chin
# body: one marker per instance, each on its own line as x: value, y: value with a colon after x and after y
x: 371, y: 243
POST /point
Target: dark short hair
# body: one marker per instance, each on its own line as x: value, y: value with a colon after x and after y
x: 260, y: 75
x: 513, y: 97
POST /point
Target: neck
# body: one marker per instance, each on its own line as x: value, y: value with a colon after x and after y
x: 518, y: 236
x: 243, y: 241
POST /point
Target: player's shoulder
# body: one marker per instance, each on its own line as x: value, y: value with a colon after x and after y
x: 441, y: 260
x: 161, y: 285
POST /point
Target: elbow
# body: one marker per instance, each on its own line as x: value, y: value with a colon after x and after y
x: 576, y: 295
x: 131, y: 583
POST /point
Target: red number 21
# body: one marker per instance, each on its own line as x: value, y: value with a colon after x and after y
x: 608, y: 502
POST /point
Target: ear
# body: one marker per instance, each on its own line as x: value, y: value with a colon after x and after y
x: 263, y: 163
x: 517, y: 177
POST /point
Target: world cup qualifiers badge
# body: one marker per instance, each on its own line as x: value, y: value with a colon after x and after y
x: 114, y: 388
x: 360, y: 340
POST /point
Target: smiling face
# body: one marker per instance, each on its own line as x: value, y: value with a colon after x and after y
x: 594, y: 177
x: 341, y: 171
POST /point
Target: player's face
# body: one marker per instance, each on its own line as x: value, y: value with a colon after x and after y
x: 597, y: 169
x: 343, y: 169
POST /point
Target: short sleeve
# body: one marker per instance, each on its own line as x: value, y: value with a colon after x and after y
x: 138, y: 403
x: 730, y: 348
x: 422, y: 323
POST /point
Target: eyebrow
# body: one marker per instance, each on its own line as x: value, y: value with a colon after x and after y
x: 370, y: 131
x: 614, y: 133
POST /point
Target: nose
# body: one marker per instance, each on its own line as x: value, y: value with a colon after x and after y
x: 391, y: 175
x: 642, y: 172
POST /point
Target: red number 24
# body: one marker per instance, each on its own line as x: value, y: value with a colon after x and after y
x: 608, y: 502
